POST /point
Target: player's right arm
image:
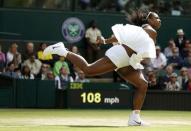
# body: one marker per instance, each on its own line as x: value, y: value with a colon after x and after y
x: 111, y: 40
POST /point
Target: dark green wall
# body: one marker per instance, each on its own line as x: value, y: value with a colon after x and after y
x: 43, y: 94
x: 46, y: 25
x: 27, y: 93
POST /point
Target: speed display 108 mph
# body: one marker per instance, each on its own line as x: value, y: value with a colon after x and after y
x: 90, y: 95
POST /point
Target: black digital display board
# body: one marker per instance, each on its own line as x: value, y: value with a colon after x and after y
x: 82, y: 96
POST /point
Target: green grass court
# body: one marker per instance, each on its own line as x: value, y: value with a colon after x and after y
x: 90, y: 120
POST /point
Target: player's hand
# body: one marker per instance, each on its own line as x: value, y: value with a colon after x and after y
x: 99, y: 40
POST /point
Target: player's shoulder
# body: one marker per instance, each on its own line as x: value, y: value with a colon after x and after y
x: 149, y: 29
x: 152, y: 32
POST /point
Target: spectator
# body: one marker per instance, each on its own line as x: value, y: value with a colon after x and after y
x: 173, y: 84
x: 160, y: 61
x: 94, y: 4
x: 42, y: 75
x: 62, y: 82
x: 28, y: 51
x: 187, y: 60
x: 63, y: 79
x: 75, y: 74
x: 180, y: 40
x: 188, y: 84
x: 91, y: 36
x: 186, y: 48
x: 165, y: 78
x: 169, y: 48
x: 187, y: 5
x: 189, y: 71
x: 62, y: 4
x: 81, y: 77
x: 105, y: 5
x: 177, y: 8
x: 146, y: 5
x: 148, y: 69
x: 75, y: 50
x: 84, y: 4
x: 54, y: 4
x: 163, y: 6
x: 26, y: 73
x: 14, y: 56
x: 18, y: 72
x: 126, y: 5
x: 47, y: 59
x: 33, y: 64
x: 147, y: 66
x: 50, y: 75
x: 2, y: 60
x: 10, y: 72
x: 183, y: 78
x: 59, y: 64
x: 152, y: 81
x: 175, y: 60
x: 72, y: 67
x: 121, y: 4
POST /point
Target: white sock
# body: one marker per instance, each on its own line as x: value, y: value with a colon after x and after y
x: 136, y: 111
x: 64, y: 53
x: 136, y: 115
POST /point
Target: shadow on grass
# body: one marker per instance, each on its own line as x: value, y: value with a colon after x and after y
x: 93, y: 126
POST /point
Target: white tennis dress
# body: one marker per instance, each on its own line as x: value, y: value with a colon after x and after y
x: 135, y: 38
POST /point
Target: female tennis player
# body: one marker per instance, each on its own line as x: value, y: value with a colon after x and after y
x: 136, y: 43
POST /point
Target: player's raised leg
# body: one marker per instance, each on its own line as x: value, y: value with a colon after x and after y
x: 100, y: 66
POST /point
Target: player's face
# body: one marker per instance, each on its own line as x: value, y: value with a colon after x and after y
x: 155, y: 21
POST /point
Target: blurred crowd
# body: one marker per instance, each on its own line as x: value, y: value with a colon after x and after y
x: 173, y: 7
x: 171, y: 69
x: 30, y: 64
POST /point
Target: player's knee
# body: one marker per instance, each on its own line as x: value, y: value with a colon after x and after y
x: 142, y: 86
x: 88, y: 71
x: 145, y: 86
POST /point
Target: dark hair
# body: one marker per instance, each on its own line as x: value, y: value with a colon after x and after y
x: 138, y: 17
x: 10, y: 63
x: 32, y: 54
x: 23, y: 70
x: 92, y: 23
x: 40, y: 46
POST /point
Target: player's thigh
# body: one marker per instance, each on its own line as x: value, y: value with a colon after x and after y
x: 133, y: 76
x: 102, y: 65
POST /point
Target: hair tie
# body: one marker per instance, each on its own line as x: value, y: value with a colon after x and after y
x: 148, y: 15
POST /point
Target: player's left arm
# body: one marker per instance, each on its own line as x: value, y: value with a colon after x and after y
x: 151, y: 32
x: 153, y: 35
x: 102, y: 40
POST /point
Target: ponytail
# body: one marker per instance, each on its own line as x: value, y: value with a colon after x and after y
x: 138, y: 17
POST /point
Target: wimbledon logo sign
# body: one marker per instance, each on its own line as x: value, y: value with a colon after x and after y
x: 73, y: 29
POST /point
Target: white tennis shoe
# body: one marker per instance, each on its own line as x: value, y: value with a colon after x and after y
x: 57, y: 48
x: 135, y: 120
